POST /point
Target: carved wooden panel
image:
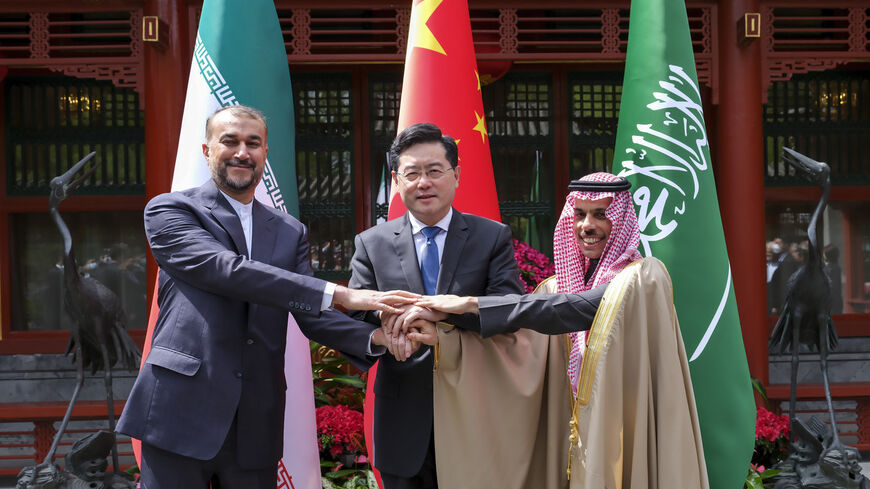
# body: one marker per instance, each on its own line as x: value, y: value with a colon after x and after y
x: 101, y: 44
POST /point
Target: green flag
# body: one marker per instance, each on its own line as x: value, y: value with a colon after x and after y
x: 661, y: 147
x: 239, y: 58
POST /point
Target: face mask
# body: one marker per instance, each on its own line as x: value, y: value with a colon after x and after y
x: 776, y: 249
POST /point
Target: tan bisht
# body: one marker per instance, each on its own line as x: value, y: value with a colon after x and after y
x: 502, y: 404
x: 635, y: 411
x: 502, y: 407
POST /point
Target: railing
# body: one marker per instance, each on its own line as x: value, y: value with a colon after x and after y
x: 851, y: 408
x: 27, y: 431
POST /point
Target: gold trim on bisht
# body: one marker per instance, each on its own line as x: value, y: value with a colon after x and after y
x: 436, y: 350
x: 598, y: 334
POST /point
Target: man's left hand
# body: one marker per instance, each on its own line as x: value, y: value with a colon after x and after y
x: 373, y: 300
x: 413, y: 313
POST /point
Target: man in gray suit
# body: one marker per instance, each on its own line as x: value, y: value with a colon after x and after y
x: 431, y: 249
x: 208, y: 403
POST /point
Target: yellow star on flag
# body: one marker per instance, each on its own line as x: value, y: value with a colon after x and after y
x: 477, y: 75
x: 480, y: 126
x: 420, y: 35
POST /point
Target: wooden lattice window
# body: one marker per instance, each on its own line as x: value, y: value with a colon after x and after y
x: 50, y: 123
x: 519, y: 117
x: 825, y: 116
x: 324, y: 169
x: 385, y: 92
x: 592, y: 121
x: 53, y: 122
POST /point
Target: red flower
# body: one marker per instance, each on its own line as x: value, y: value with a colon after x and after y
x: 769, y: 426
x: 339, y: 430
x: 534, y: 266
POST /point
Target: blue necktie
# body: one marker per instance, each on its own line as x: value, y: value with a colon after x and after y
x: 429, y: 261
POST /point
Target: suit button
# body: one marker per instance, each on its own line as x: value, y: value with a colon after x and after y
x: 238, y: 375
x: 250, y: 341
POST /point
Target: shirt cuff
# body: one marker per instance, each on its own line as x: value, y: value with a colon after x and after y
x: 328, y: 291
x: 375, y: 350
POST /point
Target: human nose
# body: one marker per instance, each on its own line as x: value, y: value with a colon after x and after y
x: 242, y: 153
x: 424, y: 180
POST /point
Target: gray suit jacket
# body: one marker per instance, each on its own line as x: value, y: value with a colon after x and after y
x: 477, y: 260
x: 218, y: 345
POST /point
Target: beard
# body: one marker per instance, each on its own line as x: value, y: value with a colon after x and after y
x: 221, y: 177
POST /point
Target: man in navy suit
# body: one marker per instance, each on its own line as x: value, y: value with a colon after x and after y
x: 431, y: 249
x: 209, y: 401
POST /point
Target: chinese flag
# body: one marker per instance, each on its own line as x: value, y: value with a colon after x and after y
x: 441, y: 85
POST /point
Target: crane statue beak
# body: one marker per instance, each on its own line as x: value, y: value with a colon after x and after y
x: 63, y: 185
x: 813, y: 170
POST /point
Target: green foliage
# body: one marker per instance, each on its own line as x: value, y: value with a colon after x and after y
x: 758, y: 387
x: 334, y: 381
x: 755, y: 479
x: 358, y: 481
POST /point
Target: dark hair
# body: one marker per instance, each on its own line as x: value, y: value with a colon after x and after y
x: 424, y: 132
x: 238, y: 111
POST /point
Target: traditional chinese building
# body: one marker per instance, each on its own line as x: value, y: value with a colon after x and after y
x: 110, y: 76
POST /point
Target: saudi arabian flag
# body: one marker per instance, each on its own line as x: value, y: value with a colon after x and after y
x: 661, y: 147
x: 239, y: 58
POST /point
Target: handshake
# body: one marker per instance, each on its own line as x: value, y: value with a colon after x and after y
x: 407, y: 319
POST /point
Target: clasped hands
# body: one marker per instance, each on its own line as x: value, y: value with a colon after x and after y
x: 407, y: 319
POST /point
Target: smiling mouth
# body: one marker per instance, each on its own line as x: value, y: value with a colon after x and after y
x: 591, y: 240
x: 239, y: 164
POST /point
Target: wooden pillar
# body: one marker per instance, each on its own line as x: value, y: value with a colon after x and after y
x: 741, y: 178
x: 167, y: 66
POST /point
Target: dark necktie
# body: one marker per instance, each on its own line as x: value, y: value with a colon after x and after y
x: 429, y: 260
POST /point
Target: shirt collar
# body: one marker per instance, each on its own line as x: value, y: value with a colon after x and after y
x: 238, y: 206
x: 444, y: 223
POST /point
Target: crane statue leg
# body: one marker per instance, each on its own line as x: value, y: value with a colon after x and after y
x: 110, y: 397
x: 795, y: 362
x: 80, y: 380
x: 823, y: 361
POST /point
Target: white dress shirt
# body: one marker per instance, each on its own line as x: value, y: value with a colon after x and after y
x: 245, y: 213
x: 420, y: 240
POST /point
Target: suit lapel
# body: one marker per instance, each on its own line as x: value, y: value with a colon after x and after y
x: 223, y: 212
x: 403, y: 245
x: 457, y: 235
x: 264, y: 234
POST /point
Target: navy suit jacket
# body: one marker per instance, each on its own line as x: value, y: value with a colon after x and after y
x: 478, y: 259
x: 218, y: 345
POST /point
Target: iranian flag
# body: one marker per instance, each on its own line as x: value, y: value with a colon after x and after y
x: 441, y: 85
x: 239, y: 58
x: 662, y: 148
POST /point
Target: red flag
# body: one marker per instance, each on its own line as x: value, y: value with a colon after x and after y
x: 442, y: 86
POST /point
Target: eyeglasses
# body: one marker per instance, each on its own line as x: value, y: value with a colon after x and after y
x: 432, y: 173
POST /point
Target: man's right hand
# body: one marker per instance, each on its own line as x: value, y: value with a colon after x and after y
x: 373, y: 300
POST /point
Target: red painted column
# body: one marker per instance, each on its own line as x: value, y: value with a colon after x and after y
x: 740, y: 176
x: 166, y: 72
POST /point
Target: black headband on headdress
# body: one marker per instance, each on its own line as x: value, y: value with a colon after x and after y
x: 589, y: 186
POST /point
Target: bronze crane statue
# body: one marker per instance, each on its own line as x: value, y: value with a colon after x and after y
x: 99, y: 338
x: 806, y: 314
